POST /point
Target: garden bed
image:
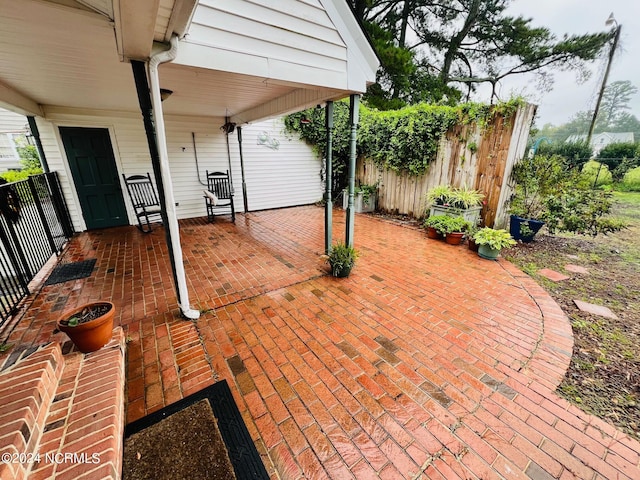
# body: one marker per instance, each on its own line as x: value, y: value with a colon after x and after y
x: 604, y: 375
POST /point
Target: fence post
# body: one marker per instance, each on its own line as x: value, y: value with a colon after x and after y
x: 43, y: 218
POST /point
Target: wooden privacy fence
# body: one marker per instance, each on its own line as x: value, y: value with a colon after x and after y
x: 466, y: 156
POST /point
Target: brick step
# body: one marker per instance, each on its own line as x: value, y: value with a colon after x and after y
x: 77, y: 431
x: 28, y: 383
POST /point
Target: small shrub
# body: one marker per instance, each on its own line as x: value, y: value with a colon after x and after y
x: 593, y: 168
x: 562, y: 197
x: 631, y: 181
x: 16, y: 176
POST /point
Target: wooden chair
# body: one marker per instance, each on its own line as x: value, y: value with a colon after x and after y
x: 219, y: 195
x: 144, y: 200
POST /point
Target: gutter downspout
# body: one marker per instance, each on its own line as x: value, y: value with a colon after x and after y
x: 175, y: 249
x: 244, y: 182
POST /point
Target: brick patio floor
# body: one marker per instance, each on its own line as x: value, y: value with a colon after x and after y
x: 427, y: 362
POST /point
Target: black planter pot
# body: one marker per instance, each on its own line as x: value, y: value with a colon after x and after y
x: 343, y: 272
x: 517, y: 222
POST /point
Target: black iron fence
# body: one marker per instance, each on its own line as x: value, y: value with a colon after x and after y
x: 34, y: 224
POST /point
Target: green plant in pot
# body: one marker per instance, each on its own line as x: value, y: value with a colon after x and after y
x: 490, y: 241
x: 435, y: 226
x: 536, y: 179
x: 89, y: 326
x: 454, y: 229
x: 341, y: 258
x: 447, y: 200
x: 440, y: 195
x: 465, y: 198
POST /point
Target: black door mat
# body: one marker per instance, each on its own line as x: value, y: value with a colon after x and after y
x: 242, y: 452
x: 71, y: 271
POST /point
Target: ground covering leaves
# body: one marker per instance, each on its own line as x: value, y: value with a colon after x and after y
x: 604, y: 375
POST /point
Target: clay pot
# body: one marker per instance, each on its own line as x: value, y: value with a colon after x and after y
x: 433, y: 233
x: 454, y: 238
x: 90, y: 335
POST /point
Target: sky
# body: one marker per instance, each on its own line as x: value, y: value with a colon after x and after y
x: 580, y: 17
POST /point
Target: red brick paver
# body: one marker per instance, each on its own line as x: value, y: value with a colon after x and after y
x: 427, y: 362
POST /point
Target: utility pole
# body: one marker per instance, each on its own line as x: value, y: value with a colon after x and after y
x: 616, y: 36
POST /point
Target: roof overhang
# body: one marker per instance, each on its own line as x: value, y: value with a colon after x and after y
x: 64, y: 54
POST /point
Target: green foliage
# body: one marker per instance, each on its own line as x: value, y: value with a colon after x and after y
x: 536, y: 179
x: 29, y: 157
x: 581, y: 210
x: 439, y: 195
x: 367, y: 191
x: 471, y: 41
x: 341, y: 256
x: 447, y: 195
x: 404, y: 140
x: 407, y: 139
x: 16, y: 176
x: 631, y: 181
x: 620, y: 158
x: 496, y: 239
x: 576, y: 154
x: 592, y: 169
x: 562, y: 197
x: 446, y: 224
x: 73, y: 322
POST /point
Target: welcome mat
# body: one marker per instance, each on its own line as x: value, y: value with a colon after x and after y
x: 241, y: 451
x: 71, y: 271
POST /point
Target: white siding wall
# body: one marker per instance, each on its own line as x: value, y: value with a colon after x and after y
x: 286, y: 176
x: 291, y: 40
x: 275, y: 178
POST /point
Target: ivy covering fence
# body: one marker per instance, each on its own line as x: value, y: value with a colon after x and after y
x: 409, y: 150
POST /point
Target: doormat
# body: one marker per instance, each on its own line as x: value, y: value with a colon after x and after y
x: 240, y: 449
x: 71, y: 271
x: 185, y: 445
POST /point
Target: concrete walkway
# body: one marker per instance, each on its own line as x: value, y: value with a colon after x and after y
x: 427, y: 362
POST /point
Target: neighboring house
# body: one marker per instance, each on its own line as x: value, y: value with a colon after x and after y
x: 91, y: 73
x: 12, y: 127
x: 601, y: 140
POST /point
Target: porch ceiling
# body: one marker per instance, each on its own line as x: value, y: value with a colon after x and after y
x: 54, y: 55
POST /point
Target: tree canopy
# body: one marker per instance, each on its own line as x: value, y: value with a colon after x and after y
x: 430, y: 49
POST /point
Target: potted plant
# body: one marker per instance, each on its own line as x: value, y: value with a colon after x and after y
x: 534, y: 179
x: 434, y: 226
x: 447, y: 200
x: 490, y: 241
x: 473, y: 246
x: 454, y: 229
x: 364, y: 199
x: 89, y: 326
x: 341, y: 258
x: 439, y: 195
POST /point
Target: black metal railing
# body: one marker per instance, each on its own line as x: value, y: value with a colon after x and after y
x: 34, y: 224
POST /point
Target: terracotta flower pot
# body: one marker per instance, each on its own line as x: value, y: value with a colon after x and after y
x: 91, y: 335
x: 433, y: 233
x: 454, y: 238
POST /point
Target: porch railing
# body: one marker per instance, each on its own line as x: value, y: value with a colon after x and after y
x: 34, y: 224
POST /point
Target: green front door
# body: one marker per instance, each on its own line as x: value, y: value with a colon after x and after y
x: 95, y: 176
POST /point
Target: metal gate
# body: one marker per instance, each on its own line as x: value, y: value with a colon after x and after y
x: 34, y: 224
